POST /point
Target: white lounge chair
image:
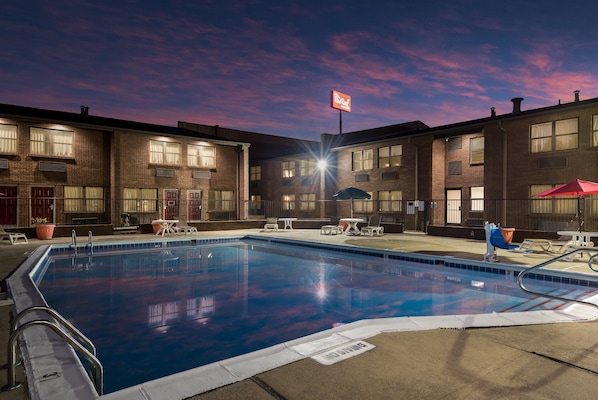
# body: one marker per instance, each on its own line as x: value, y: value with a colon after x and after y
x: 373, y: 227
x: 183, y: 227
x: 13, y: 237
x: 271, y: 225
x: 335, y: 228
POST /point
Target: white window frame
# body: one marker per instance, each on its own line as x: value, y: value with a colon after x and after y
x: 476, y: 195
x: 221, y: 200
x: 363, y: 205
x: 307, y: 166
x: 594, y: 130
x: 8, y: 138
x: 307, y: 202
x: 255, y: 173
x: 140, y: 200
x: 554, y: 136
x: 51, y: 142
x: 551, y: 205
x: 390, y: 200
x: 164, y: 152
x: 363, y: 160
x: 84, y: 199
x: 476, y: 150
x: 288, y: 202
x: 288, y: 169
x: 390, y: 156
x: 201, y: 156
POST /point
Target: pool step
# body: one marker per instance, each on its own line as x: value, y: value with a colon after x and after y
x: 545, y: 303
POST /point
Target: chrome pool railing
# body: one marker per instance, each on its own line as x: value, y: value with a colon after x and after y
x: 566, y: 257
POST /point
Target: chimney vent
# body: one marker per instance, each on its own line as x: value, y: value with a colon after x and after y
x: 84, y: 111
x: 492, y: 112
x: 517, y: 104
x: 576, y: 95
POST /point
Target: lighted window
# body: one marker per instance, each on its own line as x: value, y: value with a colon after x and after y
x: 288, y: 201
x: 390, y: 200
x: 390, y: 156
x: 140, y: 200
x: 557, y: 135
x: 8, y: 138
x: 288, y: 169
x: 201, y: 156
x: 477, y: 198
x: 553, y: 204
x: 595, y: 131
x: 164, y: 152
x: 307, y: 202
x: 363, y: 205
x: 221, y: 200
x: 51, y: 142
x: 307, y: 167
x: 256, y: 203
x: 255, y: 173
x: 476, y: 150
x: 363, y: 160
x: 83, y: 199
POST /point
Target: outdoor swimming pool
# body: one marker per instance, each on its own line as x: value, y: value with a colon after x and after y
x: 155, y: 311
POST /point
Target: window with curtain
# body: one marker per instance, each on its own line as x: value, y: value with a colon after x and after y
x: 307, y: 201
x: 51, y: 142
x: 476, y: 150
x: 363, y: 160
x: 140, y: 200
x: 476, y: 194
x: 390, y: 156
x: 256, y: 202
x: 83, y: 199
x: 288, y: 201
x: 201, y: 156
x: 288, y: 169
x: 307, y: 167
x: 595, y: 131
x: 557, y: 135
x: 164, y: 152
x: 551, y: 205
x: 221, y: 200
x: 8, y: 138
x: 255, y: 173
x: 390, y: 200
x: 363, y: 205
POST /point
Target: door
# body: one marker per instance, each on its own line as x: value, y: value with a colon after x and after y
x: 194, y: 205
x: 42, y: 202
x: 171, y: 204
x: 8, y: 205
x: 453, y: 206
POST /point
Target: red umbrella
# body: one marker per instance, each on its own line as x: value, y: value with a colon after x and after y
x: 575, y: 188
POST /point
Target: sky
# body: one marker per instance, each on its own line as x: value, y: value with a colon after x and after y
x: 269, y: 66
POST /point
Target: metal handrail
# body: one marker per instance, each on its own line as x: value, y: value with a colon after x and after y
x: 97, y: 371
x: 90, y: 241
x: 567, y: 256
x: 71, y: 328
x: 74, y: 240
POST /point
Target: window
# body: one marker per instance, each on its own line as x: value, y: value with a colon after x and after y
x: 477, y: 198
x: 363, y: 159
x: 83, y: 199
x: 221, y: 200
x: 8, y: 138
x: 138, y: 200
x: 51, y: 142
x: 595, y: 130
x: 288, y: 169
x: 288, y: 201
x: 390, y: 156
x: 164, y: 152
x: 255, y: 173
x: 363, y: 206
x: 307, y: 167
x: 551, y: 205
x: 476, y: 150
x: 550, y: 136
x: 307, y: 202
x: 256, y: 203
x: 200, y: 156
x: 391, y: 200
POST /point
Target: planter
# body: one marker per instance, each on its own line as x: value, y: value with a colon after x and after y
x: 156, y: 227
x: 507, y: 234
x: 45, y: 231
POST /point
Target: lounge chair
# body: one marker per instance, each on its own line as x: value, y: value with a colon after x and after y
x: 335, y: 228
x: 13, y: 237
x: 546, y: 245
x: 271, y: 224
x: 183, y: 227
x: 373, y: 227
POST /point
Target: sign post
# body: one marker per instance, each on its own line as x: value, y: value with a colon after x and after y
x: 341, y: 102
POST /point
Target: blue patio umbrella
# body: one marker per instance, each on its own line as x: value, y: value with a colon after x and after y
x: 351, y: 193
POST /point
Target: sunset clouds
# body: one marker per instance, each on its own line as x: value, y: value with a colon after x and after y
x: 269, y: 67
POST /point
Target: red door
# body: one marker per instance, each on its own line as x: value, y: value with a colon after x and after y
x: 8, y: 205
x: 171, y: 200
x: 194, y: 205
x: 42, y: 203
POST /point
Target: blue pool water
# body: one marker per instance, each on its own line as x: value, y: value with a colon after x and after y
x: 157, y: 311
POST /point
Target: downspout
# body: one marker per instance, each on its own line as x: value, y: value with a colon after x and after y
x: 504, y: 174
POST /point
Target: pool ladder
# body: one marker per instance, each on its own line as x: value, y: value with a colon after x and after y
x: 88, y: 245
x: 65, y: 330
x: 567, y: 257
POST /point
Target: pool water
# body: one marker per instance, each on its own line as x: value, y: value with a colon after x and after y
x: 155, y: 312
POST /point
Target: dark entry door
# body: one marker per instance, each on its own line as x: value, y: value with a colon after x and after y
x: 42, y: 203
x: 171, y: 199
x: 8, y: 205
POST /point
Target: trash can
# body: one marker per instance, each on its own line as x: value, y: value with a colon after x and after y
x: 507, y: 234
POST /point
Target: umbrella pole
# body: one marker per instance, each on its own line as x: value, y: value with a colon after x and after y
x: 579, y: 223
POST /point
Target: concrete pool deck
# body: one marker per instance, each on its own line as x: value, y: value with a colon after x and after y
x: 534, y: 361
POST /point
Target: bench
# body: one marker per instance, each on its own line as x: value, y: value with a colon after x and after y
x: 84, y: 221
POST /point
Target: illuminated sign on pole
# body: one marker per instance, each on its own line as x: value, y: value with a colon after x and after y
x: 340, y: 101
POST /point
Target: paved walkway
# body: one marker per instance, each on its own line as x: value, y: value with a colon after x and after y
x: 556, y: 361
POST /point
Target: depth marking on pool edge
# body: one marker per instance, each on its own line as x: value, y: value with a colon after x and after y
x: 340, y: 353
